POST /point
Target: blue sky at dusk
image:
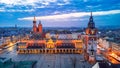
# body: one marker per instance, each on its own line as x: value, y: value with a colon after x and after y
x: 59, y: 13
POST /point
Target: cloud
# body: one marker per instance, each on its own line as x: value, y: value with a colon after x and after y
x: 62, y: 16
x: 91, y: 6
x: 18, y: 2
x: 60, y: 4
x: 39, y: 7
x: 12, y: 5
x: 24, y: 2
x: 107, y: 12
x: 71, y: 15
x: 30, y: 2
x: 56, y: 12
x: 66, y: 1
x: 13, y: 10
x: 2, y: 10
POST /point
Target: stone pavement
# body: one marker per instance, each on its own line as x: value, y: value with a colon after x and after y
x: 49, y: 60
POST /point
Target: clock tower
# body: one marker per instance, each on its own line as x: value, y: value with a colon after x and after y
x: 91, y: 30
x: 90, y: 40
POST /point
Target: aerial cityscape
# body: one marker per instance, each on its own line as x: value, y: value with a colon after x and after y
x: 59, y: 34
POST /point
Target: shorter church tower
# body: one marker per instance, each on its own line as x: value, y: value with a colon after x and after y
x: 40, y: 27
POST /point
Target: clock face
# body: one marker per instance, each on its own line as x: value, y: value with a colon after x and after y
x: 92, y: 31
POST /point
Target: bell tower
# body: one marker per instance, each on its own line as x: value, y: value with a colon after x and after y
x: 34, y: 25
x: 40, y: 27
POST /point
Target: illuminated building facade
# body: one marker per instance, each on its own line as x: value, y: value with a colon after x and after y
x: 39, y: 42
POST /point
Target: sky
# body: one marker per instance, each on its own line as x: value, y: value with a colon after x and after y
x: 59, y: 13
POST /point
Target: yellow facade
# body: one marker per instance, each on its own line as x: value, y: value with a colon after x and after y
x: 50, y: 44
x: 22, y: 46
x: 78, y: 43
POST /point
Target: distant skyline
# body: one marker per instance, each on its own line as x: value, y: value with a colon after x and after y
x: 59, y: 13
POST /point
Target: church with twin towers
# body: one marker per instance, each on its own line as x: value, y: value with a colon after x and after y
x: 37, y: 29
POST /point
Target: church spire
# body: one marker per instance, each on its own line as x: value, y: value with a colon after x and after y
x: 91, y: 18
x: 91, y: 23
x: 34, y: 25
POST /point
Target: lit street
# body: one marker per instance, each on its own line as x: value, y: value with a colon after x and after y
x: 110, y: 59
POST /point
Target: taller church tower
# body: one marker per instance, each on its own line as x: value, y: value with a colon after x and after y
x: 34, y: 25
